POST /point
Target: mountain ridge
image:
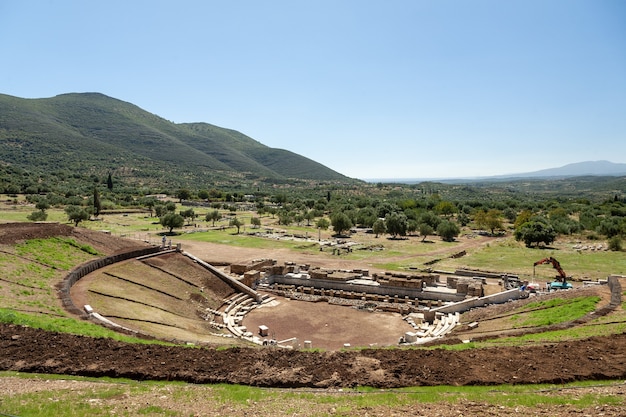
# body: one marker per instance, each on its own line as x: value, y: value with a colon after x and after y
x: 92, y: 131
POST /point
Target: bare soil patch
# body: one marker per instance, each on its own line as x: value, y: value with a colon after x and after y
x: 31, y: 350
x: 327, y: 326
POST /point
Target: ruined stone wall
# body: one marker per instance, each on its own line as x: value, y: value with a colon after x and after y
x: 384, y: 290
x: 258, y: 265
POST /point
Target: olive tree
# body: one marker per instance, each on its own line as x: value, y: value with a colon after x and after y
x: 396, y: 224
x: 322, y: 223
x: 236, y: 223
x: 340, y: 222
x: 76, y: 214
x: 213, y: 216
x: 172, y: 220
x: 379, y: 227
x: 538, y: 230
x: 448, y: 230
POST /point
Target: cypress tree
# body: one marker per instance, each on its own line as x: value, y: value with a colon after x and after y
x: 97, y: 207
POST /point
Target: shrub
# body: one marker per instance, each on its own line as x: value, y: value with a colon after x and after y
x: 615, y: 244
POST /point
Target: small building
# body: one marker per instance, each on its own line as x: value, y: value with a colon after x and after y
x: 263, y: 330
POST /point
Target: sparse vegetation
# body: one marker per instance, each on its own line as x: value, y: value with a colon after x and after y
x: 105, y: 396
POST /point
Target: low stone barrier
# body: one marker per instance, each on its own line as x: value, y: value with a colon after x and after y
x: 239, y: 286
x: 76, y: 274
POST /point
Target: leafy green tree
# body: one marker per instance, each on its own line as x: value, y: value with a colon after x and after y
x: 213, y: 216
x: 537, y: 230
x: 110, y: 182
x: 396, y: 224
x: 448, y: 230
x: 159, y: 210
x: 341, y: 223
x: 615, y: 244
x: 430, y: 219
x: 611, y: 226
x: 76, y: 214
x: 322, y: 223
x: 383, y: 209
x: 215, y: 194
x: 149, y: 203
x: 183, y: 194
x: 42, y: 205
x: 255, y: 222
x: 565, y: 225
x: 188, y: 214
x: 463, y: 219
x: 366, y: 216
x: 236, y: 223
x: 280, y: 199
x: 379, y: 227
x: 490, y: 220
x: 509, y: 214
x: 308, y: 216
x: 172, y: 220
x: 285, y: 217
x: 38, y: 216
x: 203, y: 194
x: 523, y: 217
x: 445, y: 208
x: 425, y: 230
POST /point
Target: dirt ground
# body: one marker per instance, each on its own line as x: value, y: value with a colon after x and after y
x: 30, y: 350
x: 326, y: 326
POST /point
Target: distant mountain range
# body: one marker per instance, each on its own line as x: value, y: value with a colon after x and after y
x: 578, y: 169
x: 92, y: 134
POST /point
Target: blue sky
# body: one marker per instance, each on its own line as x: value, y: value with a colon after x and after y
x: 371, y: 89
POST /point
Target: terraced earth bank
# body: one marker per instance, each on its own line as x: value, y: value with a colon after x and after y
x: 29, y: 350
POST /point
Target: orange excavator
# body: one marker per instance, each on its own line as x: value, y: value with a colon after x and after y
x: 561, y: 279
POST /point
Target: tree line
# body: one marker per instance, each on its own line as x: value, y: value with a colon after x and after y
x: 395, y: 210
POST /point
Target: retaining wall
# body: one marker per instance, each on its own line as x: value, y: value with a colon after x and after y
x: 499, y: 298
x: 87, y: 268
x: 230, y: 281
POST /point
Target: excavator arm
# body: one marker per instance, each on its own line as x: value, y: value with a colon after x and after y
x: 555, y: 264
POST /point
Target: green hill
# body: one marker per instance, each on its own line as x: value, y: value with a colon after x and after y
x: 92, y: 134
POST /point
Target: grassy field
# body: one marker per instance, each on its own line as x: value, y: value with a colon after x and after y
x: 105, y: 397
